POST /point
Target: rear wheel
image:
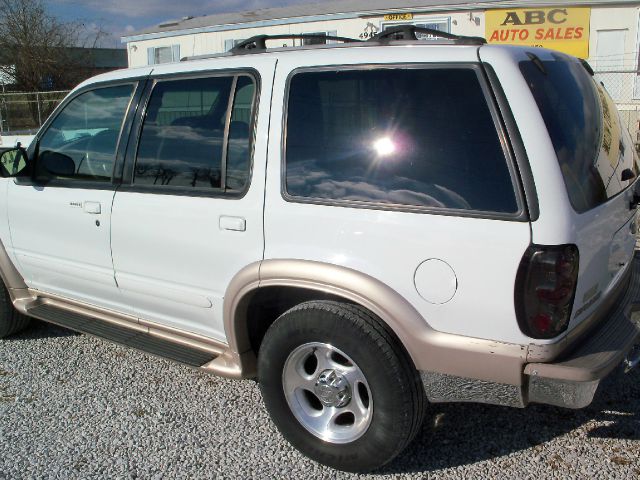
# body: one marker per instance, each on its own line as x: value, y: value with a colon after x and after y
x: 340, y: 386
x: 11, y: 321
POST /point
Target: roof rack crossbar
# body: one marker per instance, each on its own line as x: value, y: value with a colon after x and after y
x: 259, y: 42
x: 408, y: 32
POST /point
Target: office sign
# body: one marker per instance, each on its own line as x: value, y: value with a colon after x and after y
x: 395, y: 17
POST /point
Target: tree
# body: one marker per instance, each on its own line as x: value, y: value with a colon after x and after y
x: 39, y: 51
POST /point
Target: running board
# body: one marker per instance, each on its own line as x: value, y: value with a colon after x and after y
x: 130, y: 337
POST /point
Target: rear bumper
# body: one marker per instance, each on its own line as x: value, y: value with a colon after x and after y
x: 572, y: 379
x: 564, y: 374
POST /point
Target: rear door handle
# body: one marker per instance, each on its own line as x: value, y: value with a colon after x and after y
x: 236, y: 224
x: 91, y: 207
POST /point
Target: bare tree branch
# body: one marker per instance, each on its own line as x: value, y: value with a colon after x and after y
x: 40, y: 51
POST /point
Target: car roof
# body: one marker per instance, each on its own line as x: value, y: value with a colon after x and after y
x: 349, y: 53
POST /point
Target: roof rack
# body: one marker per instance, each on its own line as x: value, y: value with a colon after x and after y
x: 259, y: 42
x: 408, y: 32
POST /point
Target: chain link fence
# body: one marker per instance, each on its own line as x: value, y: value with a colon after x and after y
x: 624, y: 88
x: 23, y: 113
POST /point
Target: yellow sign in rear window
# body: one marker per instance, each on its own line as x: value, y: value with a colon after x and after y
x: 563, y: 29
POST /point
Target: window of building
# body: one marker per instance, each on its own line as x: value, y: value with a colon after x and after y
x: 157, y: 55
x: 319, y: 40
x: 81, y: 142
x: 232, y: 42
x: 182, y: 143
x: 441, y: 24
x: 609, y: 60
x: 417, y: 137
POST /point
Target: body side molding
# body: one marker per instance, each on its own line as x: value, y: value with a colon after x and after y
x: 430, y: 350
x: 25, y: 299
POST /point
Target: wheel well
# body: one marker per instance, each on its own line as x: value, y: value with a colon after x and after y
x: 268, y: 303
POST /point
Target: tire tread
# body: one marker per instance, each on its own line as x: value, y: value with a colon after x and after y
x: 11, y: 321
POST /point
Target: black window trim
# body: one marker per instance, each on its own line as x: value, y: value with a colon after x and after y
x: 521, y: 215
x: 138, y: 84
x: 128, y: 184
x: 515, y: 144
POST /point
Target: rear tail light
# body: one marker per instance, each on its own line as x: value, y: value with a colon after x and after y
x: 545, y: 289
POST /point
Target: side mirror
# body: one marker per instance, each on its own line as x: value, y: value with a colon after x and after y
x: 56, y: 163
x: 13, y: 161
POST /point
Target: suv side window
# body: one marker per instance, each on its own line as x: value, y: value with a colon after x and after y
x: 196, y: 134
x: 420, y: 137
x: 80, y: 143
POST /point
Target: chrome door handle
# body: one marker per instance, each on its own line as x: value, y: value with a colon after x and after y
x: 235, y: 224
x: 92, y: 207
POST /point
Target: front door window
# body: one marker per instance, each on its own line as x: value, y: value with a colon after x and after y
x: 81, y: 142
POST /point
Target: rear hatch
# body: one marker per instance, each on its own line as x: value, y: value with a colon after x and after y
x: 599, y: 164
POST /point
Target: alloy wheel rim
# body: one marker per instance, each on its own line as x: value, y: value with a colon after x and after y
x: 327, y: 392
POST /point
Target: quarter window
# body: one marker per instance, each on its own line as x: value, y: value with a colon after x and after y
x: 183, y: 142
x: 239, y: 149
x: 416, y: 137
x: 81, y: 142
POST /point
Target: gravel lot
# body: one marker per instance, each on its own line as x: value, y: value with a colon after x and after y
x: 72, y: 406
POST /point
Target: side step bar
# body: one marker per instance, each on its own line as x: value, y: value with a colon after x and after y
x: 125, y: 336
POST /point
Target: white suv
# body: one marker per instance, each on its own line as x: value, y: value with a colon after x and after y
x: 364, y: 227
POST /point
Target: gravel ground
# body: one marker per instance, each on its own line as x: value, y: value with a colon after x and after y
x: 72, y: 406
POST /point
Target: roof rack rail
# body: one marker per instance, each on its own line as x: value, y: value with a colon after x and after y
x: 259, y: 42
x: 408, y: 32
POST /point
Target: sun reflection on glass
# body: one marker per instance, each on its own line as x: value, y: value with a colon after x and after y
x: 384, y: 146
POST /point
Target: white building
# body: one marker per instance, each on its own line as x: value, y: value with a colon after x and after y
x: 605, y: 32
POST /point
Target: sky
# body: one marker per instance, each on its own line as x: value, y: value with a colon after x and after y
x: 121, y: 17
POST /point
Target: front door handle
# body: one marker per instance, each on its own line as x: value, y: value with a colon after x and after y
x: 236, y: 224
x: 91, y: 207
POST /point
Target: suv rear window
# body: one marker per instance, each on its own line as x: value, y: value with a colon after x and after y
x: 584, y: 127
x: 404, y: 136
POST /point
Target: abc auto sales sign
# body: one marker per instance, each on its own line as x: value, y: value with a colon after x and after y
x: 563, y: 29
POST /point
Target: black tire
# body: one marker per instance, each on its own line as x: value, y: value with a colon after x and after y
x: 398, y: 400
x: 11, y: 321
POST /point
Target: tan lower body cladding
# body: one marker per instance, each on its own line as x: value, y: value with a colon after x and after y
x: 496, y: 367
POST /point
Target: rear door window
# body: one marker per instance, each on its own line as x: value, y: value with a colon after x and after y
x: 197, y: 134
x: 584, y: 126
x: 420, y: 137
x: 182, y: 135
